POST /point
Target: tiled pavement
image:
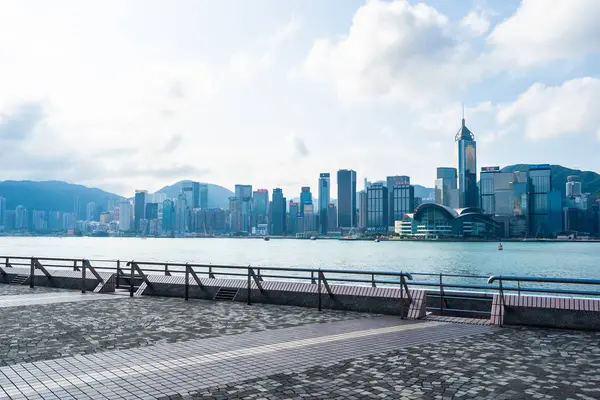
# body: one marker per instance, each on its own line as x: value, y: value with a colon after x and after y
x: 51, y: 298
x: 157, y: 347
x: 12, y: 290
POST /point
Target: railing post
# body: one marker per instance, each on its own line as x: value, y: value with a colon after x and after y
x: 312, y: 277
x: 249, y: 287
x: 6, y: 262
x: 441, y: 296
x: 132, y: 274
x: 373, y: 280
x: 501, y: 304
x: 401, y: 295
x: 32, y: 273
x: 83, y: 269
x: 166, y: 269
x: 319, y: 290
x: 187, y: 281
x: 118, y: 272
x: 75, y: 265
x: 518, y: 288
x: 210, y: 273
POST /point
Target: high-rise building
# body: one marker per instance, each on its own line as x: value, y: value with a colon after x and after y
x: 203, y: 187
x: 168, y: 216
x: 332, y: 217
x: 392, y: 181
x: 278, y: 212
x: 305, y: 197
x: 260, y: 205
x: 377, y: 208
x: 324, y: 200
x: 55, y: 221
x: 181, y: 213
x: 293, y: 211
x: 242, y: 191
x: 446, y: 189
x: 362, y: 208
x: 573, y: 187
x: 91, y: 212
x: 310, y: 218
x: 10, y: 220
x: 139, y: 207
x: 78, y: 209
x: 151, y: 211
x: 39, y: 220
x: 346, y: 196
x: 68, y: 221
x: 486, y: 189
x: 125, y: 216
x: 235, y: 215
x: 21, y: 218
x: 466, y: 166
x: 403, y: 197
x: 540, y: 177
x: 243, y: 194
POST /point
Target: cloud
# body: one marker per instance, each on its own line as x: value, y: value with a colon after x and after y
x: 477, y: 22
x: 172, y: 144
x: 393, y: 50
x: 542, y: 31
x: 19, y: 122
x: 299, y: 149
x: 547, y: 112
x: 174, y: 171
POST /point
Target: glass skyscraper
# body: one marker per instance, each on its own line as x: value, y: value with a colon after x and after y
x: 139, y: 207
x: 403, y: 197
x: 305, y: 197
x: 346, y: 185
x: 467, y: 167
x: 446, y: 189
x: 324, y: 200
x: 377, y: 208
x: 278, y: 211
x: 392, y: 181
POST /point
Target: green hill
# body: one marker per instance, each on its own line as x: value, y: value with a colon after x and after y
x: 51, y: 195
x: 590, y: 181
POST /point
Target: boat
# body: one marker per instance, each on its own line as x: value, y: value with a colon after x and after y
x: 266, y: 239
x: 313, y: 238
x: 377, y: 240
x: 500, y: 246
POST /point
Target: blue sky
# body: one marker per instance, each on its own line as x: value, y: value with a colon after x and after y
x: 138, y: 94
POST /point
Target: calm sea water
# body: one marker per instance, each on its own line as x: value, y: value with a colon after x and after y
x: 577, y: 260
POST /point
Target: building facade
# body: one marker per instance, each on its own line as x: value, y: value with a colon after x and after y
x: 377, y: 208
x: 324, y: 200
x: 446, y: 189
x: 293, y: 213
x: 125, y: 216
x: 139, y: 207
x: 467, y: 167
x: 278, y: 213
x: 346, y: 196
x: 403, y: 201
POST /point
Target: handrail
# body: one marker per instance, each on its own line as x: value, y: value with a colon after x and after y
x: 577, y: 281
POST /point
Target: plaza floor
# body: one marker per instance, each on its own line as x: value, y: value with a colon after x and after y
x: 120, y: 348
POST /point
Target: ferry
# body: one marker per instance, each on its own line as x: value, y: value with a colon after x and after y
x: 313, y: 238
x: 266, y: 239
x: 500, y: 246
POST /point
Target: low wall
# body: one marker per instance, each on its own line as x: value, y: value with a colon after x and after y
x: 552, y: 318
x: 58, y: 279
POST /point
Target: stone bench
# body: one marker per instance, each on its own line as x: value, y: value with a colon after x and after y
x: 546, y: 311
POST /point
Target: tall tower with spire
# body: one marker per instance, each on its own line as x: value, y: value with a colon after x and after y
x: 466, y: 160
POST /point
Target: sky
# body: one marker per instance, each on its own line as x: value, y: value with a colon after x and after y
x: 138, y: 94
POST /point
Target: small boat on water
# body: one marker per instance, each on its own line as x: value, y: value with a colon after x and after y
x: 266, y: 239
x: 500, y: 246
x: 313, y: 238
x: 377, y: 240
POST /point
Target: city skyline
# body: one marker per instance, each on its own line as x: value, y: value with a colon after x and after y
x: 200, y: 95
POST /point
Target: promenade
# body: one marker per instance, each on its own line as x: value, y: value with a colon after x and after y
x: 61, y: 344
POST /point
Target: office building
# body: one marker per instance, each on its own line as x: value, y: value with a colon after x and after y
x: 332, y: 217
x: 403, y: 201
x: 362, y: 208
x: 151, y: 211
x: 446, y: 190
x: 125, y: 216
x: 305, y: 197
x: 235, y: 215
x: 168, y: 216
x: 106, y: 217
x: 55, y: 221
x: 203, y: 188
x: 309, y: 218
x: 243, y: 194
x: 346, y: 196
x: 486, y: 189
x: 39, y: 220
x: 278, y: 213
x: 293, y: 213
x: 21, y: 218
x: 467, y: 167
x: 139, y: 207
x: 91, y: 212
x: 10, y: 220
x: 377, y: 208
x: 181, y: 213
x: 68, y: 221
x: 573, y: 186
x: 540, y: 177
x: 260, y: 206
x: 324, y: 200
x: 390, y: 182
x: 2, y: 213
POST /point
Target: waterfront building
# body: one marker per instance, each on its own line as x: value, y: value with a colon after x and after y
x: 181, y: 213
x: 125, y: 216
x: 139, y: 207
x: 446, y: 190
x: 545, y: 204
x: 55, y: 221
x: 39, y: 220
x: 91, y: 212
x: 77, y: 208
x: 392, y: 181
x: 2, y: 213
x: 346, y: 196
x: 116, y: 213
x: 324, y: 200
x: 151, y: 211
x: 573, y: 186
x: 305, y: 197
x: 293, y: 213
x: 10, y: 220
x: 214, y: 221
x: 332, y: 218
x: 278, y: 213
x: 377, y: 208
x: 68, y: 221
x: 362, y: 208
x: 310, y: 217
x: 168, y: 216
x: 466, y: 166
x: 260, y: 205
x: 106, y: 217
x: 21, y: 218
x: 235, y: 215
x: 203, y: 188
x: 403, y: 199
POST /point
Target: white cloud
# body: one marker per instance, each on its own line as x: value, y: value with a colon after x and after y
x: 547, y: 112
x: 547, y: 30
x: 393, y: 50
x: 477, y: 22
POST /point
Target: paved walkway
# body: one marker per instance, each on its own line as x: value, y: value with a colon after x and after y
x: 51, y: 298
x: 164, y: 370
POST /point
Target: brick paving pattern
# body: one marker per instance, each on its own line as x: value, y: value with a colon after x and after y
x: 11, y: 290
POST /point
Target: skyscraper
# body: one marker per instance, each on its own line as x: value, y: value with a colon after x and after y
x: 324, y: 200
x: 168, y: 216
x: 466, y: 166
x: 181, y: 213
x: 362, y: 208
x: 346, y: 185
x: 332, y: 217
x: 21, y: 218
x: 139, y: 207
x: 91, y: 212
x: 151, y: 211
x: 377, y: 208
x: 293, y: 206
x: 403, y: 197
x: 446, y: 189
x: 278, y: 212
x: 305, y: 197
x: 573, y: 187
x: 392, y: 181
x: 203, y: 195
x: 125, y: 215
x: 260, y: 203
x: 243, y: 194
x: 2, y: 212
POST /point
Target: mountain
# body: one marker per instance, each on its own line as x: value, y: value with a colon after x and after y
x: 218, y: 196
x: 590, y: 181
x: 424, y: 192
x: 51, y: 195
